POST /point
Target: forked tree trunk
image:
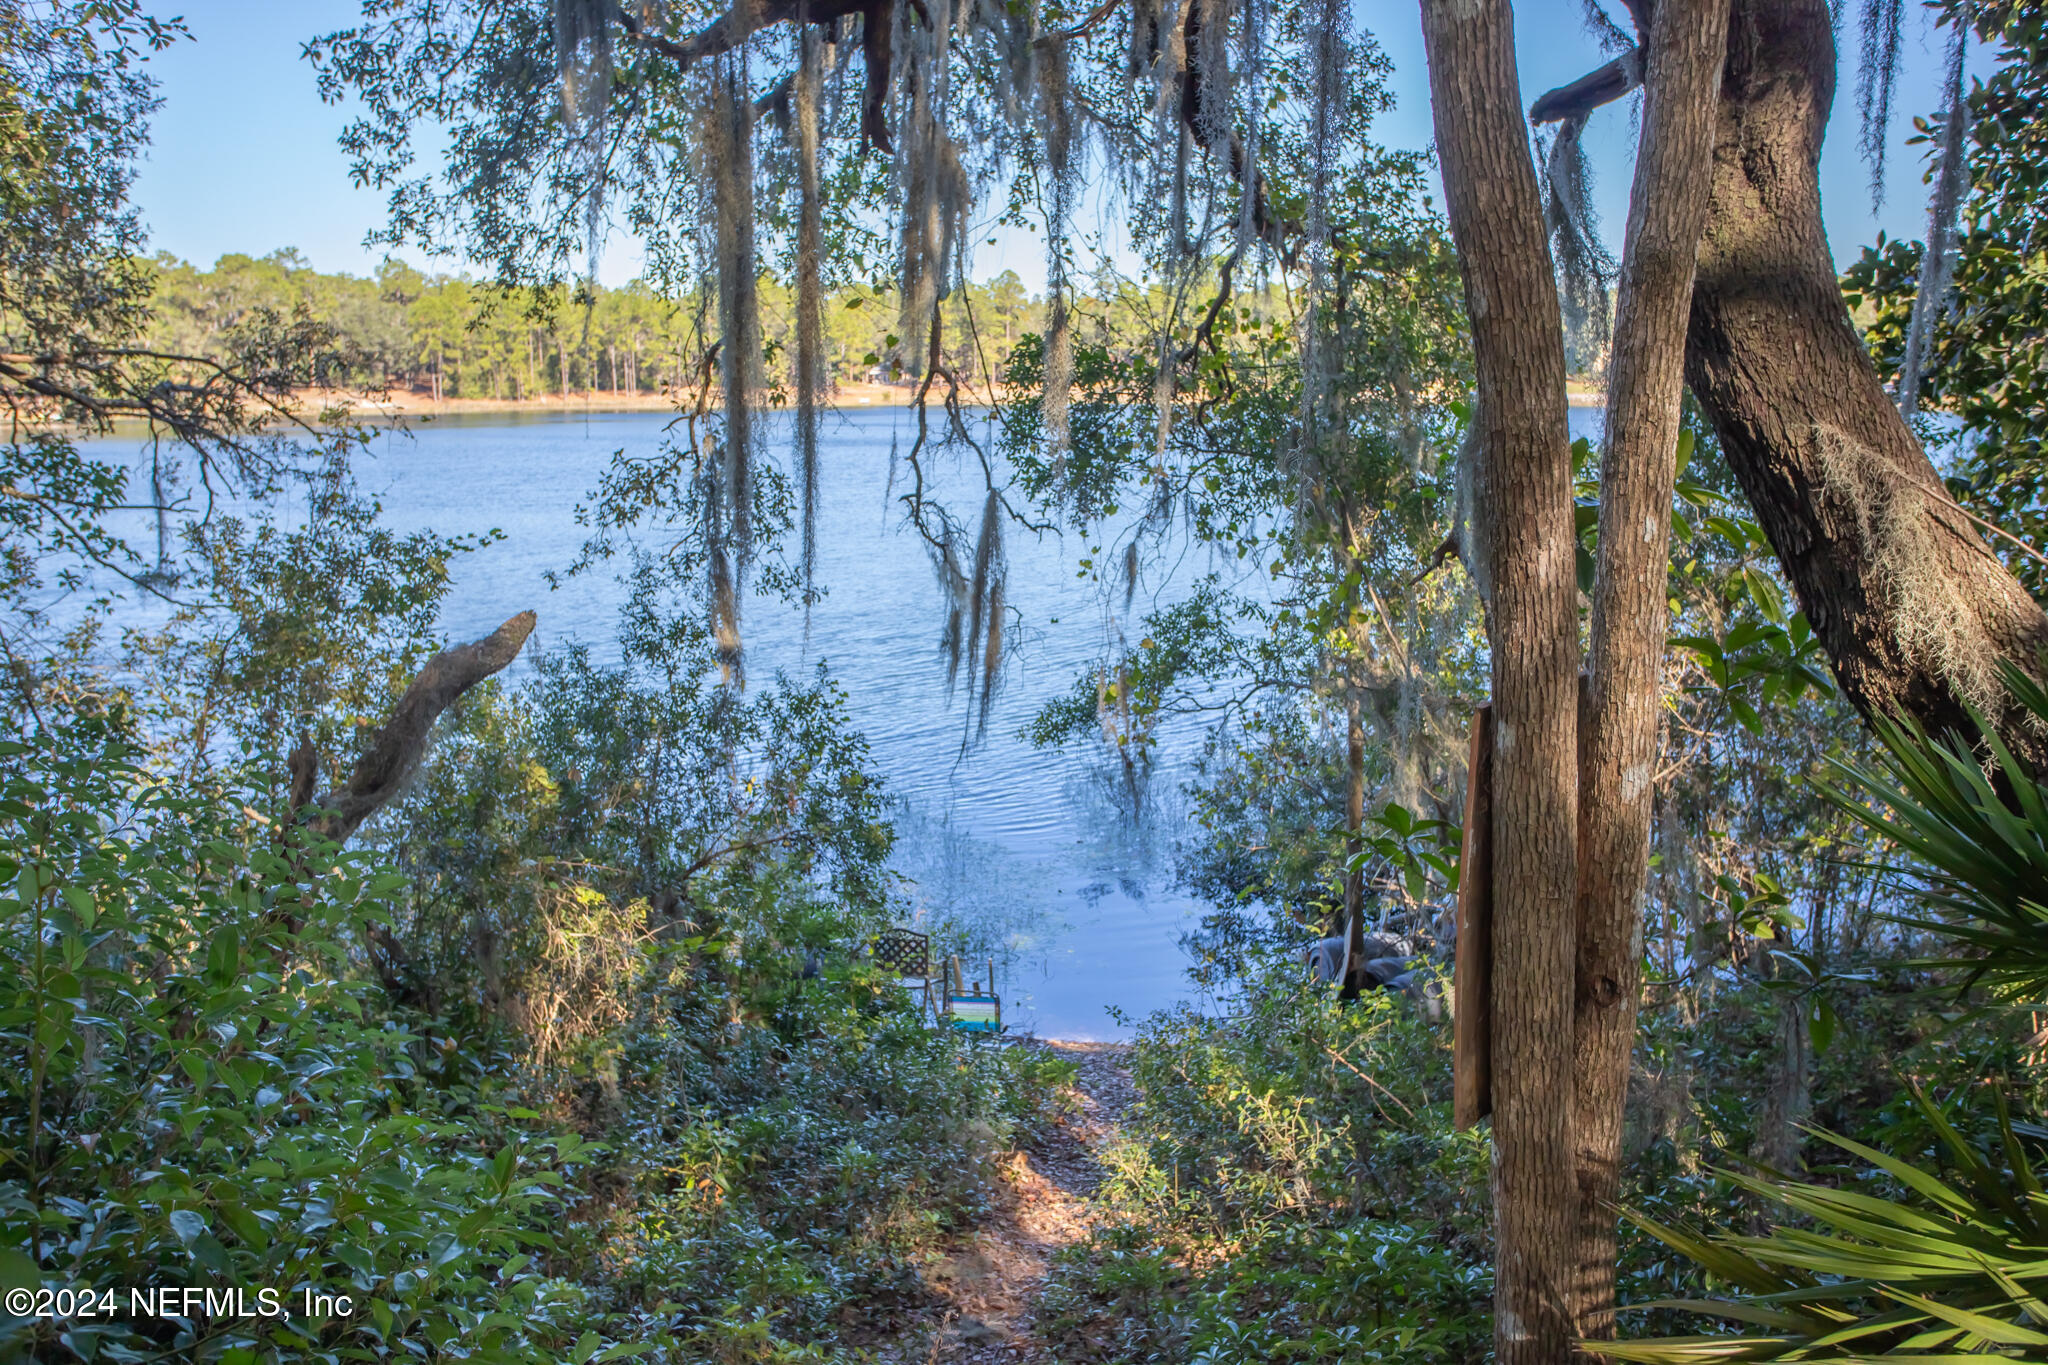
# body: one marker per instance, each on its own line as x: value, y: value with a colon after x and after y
x: 1618, y: 727
x: 1524, y: 529
x: 1914, y: 611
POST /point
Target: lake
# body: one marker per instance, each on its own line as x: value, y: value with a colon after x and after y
x: 1030, y: 846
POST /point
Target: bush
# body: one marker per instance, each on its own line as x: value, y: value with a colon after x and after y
x: 212, y: 1098
x: 1288, y: 1187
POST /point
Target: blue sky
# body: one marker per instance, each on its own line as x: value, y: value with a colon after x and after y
x: 244, y: 156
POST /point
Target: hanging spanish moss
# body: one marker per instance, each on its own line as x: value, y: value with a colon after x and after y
x: 934, y: 184
x: 1015, y: 65
x: 1212, y: 59
x: 1169, y: 129
x: 1612, y: 37
x: 983, y: 644
x: 972, y: 633
x: 1163, y: 387
x: 1584, y: 267
x: 952, y: 578
x: 992, y: 655
x: 1937, y: 261
x: 1254, y: 106
x: 1327, y: 53
x: 810, y: 297
x: 583, y: 61
x: 1146, y: 36
x: 1057, y: 129
x: 724, y: 591
x: 1877, y: 79
x: 739, y: 316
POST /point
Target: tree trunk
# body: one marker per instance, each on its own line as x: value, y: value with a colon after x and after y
x: 1914, y: 611
x: 1526, y: 555
x: 1354, y: 826
x: 1618, y: 736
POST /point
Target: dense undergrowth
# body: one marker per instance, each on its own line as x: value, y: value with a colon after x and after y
x: 1290, y: 1187
x: 743, y: 1164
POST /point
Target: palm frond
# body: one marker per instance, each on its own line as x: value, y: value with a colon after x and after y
x: 1979, y: 829
x: 1952, y: 1268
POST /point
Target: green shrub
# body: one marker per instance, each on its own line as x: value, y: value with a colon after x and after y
x: 1288, y: 1186
x: 211, y: 1097
x: 1933, y: 1250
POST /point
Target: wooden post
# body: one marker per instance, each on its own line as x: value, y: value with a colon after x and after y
x: 1472, y: 981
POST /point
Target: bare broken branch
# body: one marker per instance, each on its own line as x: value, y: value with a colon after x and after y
x: 1603, y: 86
x: 397, y: 749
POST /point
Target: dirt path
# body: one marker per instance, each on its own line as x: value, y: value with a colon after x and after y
x: 989, y: 1286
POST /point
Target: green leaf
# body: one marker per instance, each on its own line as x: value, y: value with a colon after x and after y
x: 17, y: 1271
x: 1820, y: 1024
x: 224, y: 957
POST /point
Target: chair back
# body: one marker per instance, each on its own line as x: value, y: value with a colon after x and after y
x: 904, y: 952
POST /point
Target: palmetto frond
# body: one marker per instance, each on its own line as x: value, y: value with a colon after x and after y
x: 1937, y: 1268
x: 1981, y: 831
x: 1908, y: 1264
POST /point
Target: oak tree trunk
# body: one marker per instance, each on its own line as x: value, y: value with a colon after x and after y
x: 1524, y: 529
x: 1914, y: 611
x: 1624, y: 698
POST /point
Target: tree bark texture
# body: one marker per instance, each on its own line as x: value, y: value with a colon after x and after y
x: 1524, y: 521
x: 1472, y: 999
x: 1913, y: 609
x: 394, y: 753
x: 1618, y: 736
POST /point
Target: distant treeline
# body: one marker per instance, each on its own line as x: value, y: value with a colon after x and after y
x: 453, y: 337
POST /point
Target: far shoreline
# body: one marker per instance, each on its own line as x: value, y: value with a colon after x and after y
x: 423, y: 407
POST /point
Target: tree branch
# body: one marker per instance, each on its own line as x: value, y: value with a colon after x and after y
x: 1604, y: 86
x: 743, y: 20
x: 398, y: 747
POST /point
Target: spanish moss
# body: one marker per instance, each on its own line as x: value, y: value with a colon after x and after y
x: 583, y: 62
x: 1328, y: 51
x: 724, y: 591
x: 953, y: 641
x: 933, y: 182
x: 1612, y: 37
x: 739, y: 315
x: 992, y: 655
x: 985, y: 607
x: 1584, y: 267
x: 1170, y: 129
x: 1057, y: 129
x: 1254, y: 101
x: 1877, y: 80
x: 810, y: 299
x: 1163, y: 393
x: 1937, y: 262
x: 1212, y: 60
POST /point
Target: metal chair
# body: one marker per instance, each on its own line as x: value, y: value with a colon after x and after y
x: 908, y: 954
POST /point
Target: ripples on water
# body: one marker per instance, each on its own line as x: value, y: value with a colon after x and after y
x: 1022, y: 846
x: 1031, y: 850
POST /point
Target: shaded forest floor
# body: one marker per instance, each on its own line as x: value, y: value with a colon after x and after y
x: 985, y: 1290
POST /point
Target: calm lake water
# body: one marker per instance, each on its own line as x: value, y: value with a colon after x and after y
x: 1033, y: 847
x: 1028, y: 845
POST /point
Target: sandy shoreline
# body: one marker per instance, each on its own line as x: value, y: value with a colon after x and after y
x: 421, y: 406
